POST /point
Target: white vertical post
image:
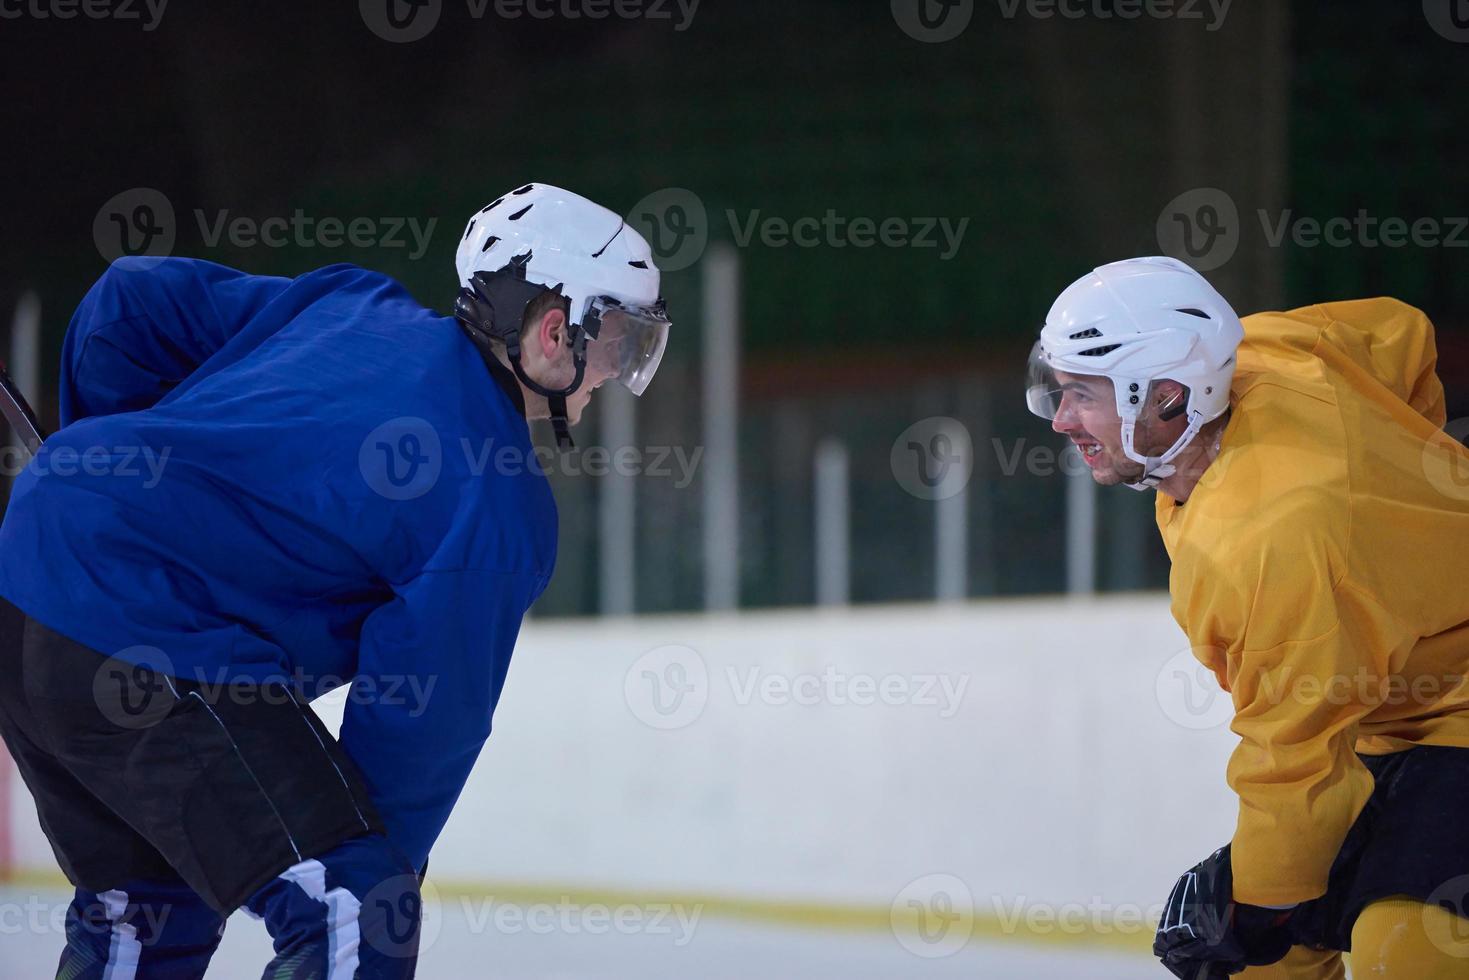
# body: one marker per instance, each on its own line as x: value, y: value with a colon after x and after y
x: 833, y: 524
x: 617, y: 504
x: 25, y: 347
x: 721, y: 371
x: 1081, y: 525
x: 25, y: 368
x: 951, y: 538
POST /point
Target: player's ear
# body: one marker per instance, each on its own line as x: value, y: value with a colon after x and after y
x: 551, y: 332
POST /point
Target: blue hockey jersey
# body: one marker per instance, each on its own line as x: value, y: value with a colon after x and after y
x: 314, y: 480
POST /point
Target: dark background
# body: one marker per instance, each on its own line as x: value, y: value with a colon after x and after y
x: 1062, y: 141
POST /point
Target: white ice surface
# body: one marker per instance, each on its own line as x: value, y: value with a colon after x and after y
x: 719, y: 949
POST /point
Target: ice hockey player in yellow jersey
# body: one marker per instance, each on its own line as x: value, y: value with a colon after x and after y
x: 1317, y: 517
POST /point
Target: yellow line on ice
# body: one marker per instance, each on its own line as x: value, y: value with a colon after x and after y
x: 1129, y: 936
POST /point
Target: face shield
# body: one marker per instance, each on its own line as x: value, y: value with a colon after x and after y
x: 1043, y: 392
x: 629, y: 342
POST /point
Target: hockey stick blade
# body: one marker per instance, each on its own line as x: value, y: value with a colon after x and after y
x: 17, y: 412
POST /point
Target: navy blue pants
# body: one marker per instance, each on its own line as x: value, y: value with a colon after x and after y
x: 352, y: 913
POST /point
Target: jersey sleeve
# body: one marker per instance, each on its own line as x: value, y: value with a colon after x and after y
x: 1313, y: 662
x: 431, y: 665
x: 148, y: 324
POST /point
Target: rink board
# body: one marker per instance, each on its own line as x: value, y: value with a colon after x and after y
x: 1048, y: 766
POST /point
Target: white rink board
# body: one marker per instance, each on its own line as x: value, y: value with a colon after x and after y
x: 1059, y: 778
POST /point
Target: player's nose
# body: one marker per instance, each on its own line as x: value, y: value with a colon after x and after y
x: 1065, y: 421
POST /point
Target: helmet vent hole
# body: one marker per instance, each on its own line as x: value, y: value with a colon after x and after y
x: 1099, y: 351
x: 521, y: 213
x: 1087, y: 334
x: 639, y: 264
x: 493, y: 204
x: 470, y: 228
x: 489, y: 243
x: 1193, y: 312
x: 526, y: 189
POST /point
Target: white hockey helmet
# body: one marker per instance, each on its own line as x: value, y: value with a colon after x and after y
x: 1139, y: 322
x: 540, y: 237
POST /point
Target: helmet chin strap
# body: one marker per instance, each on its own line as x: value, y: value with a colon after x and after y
x: 1156, y: 469
x: 555, y: 398
x: 507, y: 289
x: 560, y: 424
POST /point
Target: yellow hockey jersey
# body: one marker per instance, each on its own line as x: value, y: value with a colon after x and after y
x: 1321, y: 571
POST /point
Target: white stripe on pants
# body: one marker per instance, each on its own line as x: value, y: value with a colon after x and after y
x: 124, y: 951
x: 342, y: 909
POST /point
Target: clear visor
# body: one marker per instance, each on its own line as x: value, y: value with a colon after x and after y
x: 1043, y: 392
x: 629, y: 344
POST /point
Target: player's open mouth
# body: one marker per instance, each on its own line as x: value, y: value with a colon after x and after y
x: 1090, y: 451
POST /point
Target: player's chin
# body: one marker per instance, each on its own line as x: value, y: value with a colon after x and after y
x: 1107, y: 475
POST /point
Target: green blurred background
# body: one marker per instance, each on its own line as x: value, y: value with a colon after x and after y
x: 1060, y: 140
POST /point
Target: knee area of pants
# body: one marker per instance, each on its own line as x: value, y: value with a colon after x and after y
x: 391, y: 914
x: 387, y: 886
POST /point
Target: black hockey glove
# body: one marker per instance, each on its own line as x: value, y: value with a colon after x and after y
x: 1204, y: 933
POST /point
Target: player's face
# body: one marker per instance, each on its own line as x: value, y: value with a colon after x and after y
x: 1088, y: 417
x: 552, y: 365
x: 577, y: 401
x: 604, y: 360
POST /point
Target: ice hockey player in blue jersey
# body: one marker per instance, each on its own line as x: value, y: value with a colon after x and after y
x: 263, y: 489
